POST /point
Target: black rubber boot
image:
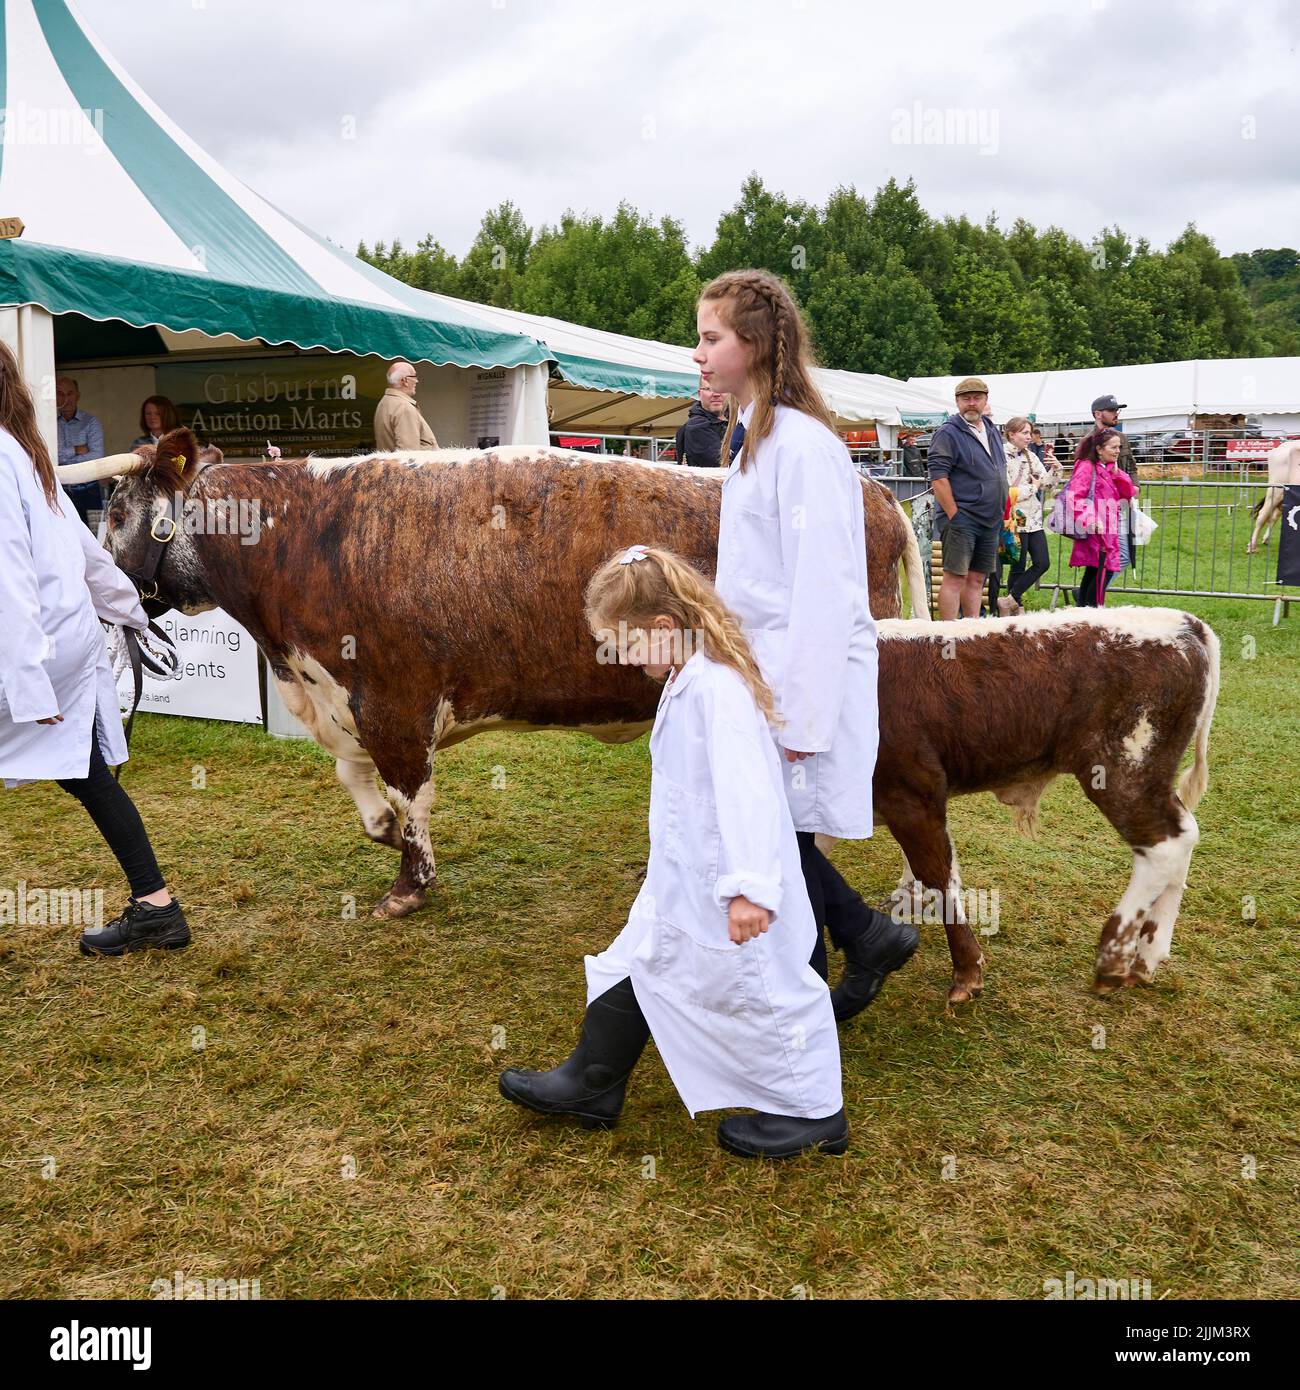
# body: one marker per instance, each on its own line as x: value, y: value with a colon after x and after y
x: 888, y: 946
x: 783, y: 1136
x: 590, y: 1082
x: 140, y: 927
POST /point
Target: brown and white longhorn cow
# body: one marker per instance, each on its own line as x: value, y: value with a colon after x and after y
x: 405, y: 604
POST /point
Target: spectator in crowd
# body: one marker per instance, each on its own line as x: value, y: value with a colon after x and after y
x: 157, y: 416
x: 1097, y: 487
x: 399, y: 426
x: 1029, y: 477
x: 81, y: 438
x: 1105, y: 416
x: 913, y: 466
x: 968, y: 473
x: 1038, y: 446
x: 699, y: 437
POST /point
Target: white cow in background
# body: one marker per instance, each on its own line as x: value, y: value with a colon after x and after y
x: 1283, y: 468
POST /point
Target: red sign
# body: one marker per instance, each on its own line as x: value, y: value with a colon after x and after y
x: 1250, y: 448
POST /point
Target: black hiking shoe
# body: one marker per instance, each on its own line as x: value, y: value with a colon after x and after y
x: 140, y: 927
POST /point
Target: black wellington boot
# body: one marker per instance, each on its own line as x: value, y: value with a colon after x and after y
x: 888, y: 946
x: 590, y: 1082
x: 783, y: 1136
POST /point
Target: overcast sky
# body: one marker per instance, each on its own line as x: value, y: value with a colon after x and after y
x: 1084, y: 112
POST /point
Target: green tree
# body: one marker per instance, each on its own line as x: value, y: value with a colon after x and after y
x: 428, y: 267
x: 766, y: 231
x: 1069, y: 329
x: 497, y: 258
x: 884, y: 322
x: 628, y: 275
x: 994, y: 325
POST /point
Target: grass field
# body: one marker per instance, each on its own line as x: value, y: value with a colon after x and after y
x: 335, y: 1129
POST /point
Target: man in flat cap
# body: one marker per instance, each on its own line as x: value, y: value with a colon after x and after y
x: 968, y: 472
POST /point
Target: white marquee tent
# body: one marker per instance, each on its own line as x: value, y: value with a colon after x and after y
x: 1157, y: 395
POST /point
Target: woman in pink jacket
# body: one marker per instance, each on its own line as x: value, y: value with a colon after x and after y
x: 1096, y: 473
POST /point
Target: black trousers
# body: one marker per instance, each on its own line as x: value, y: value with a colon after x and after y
x: 1092, y: 592
x: 118, y: 822
x: 835, y: 905
x: 1034, y: 562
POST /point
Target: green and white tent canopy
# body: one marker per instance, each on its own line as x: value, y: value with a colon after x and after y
x: 126, y: 218
x: 632, y: 371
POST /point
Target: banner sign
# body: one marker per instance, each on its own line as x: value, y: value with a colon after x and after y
x: 492, y: 404
x: 304, y: 405
x: 1250, y: 448
x: 217, y: 675
x: 1288, y: 546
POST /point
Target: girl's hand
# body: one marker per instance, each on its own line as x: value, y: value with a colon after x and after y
x: 56, y: 719
x: 745, y: 920
x: 792, y: 757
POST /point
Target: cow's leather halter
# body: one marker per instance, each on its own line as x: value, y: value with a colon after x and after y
x: 145, y: 578
x: 146, y: 583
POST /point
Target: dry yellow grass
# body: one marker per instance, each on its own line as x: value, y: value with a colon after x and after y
x: 336, y: 1045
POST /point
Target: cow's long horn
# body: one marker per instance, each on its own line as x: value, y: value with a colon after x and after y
x: 113, y: 466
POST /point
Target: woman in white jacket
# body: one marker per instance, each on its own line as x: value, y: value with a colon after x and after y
x: 1030, y: 478
x: 59, y: 716
x: 713, y: 960
x: 792, y: 564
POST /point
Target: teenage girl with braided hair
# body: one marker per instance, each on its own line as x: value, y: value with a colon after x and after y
x: 792, y: 565
x: 713, y: 960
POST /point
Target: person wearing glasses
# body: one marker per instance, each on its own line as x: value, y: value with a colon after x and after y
x: 399, y: 426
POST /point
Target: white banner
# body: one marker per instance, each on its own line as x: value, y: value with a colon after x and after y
x: 217, y: 675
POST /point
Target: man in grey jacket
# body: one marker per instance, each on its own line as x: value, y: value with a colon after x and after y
x: 968, y: 473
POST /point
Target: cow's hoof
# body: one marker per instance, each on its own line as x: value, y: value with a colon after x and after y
x: 400, y: 904
x: 961, y: 993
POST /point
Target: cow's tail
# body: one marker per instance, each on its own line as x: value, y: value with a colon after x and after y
x: 912, y: 566
x: 1195, y: 779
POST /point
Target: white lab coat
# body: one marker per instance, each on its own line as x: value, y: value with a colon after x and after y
x: 54, y: 578
x: 793, y: 566
x: 748, y: 1025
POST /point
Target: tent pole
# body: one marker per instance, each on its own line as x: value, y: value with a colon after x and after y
x: 29, y: 331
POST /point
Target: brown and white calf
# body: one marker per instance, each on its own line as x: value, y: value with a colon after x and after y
x: 405, y: 604
x: 1110, y: 696
x: 1283, y: 469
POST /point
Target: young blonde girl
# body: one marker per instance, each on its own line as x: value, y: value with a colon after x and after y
x: 792, y: 565
x: 713, y: 960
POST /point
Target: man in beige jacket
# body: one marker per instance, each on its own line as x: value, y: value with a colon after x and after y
x: 399, y: 426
